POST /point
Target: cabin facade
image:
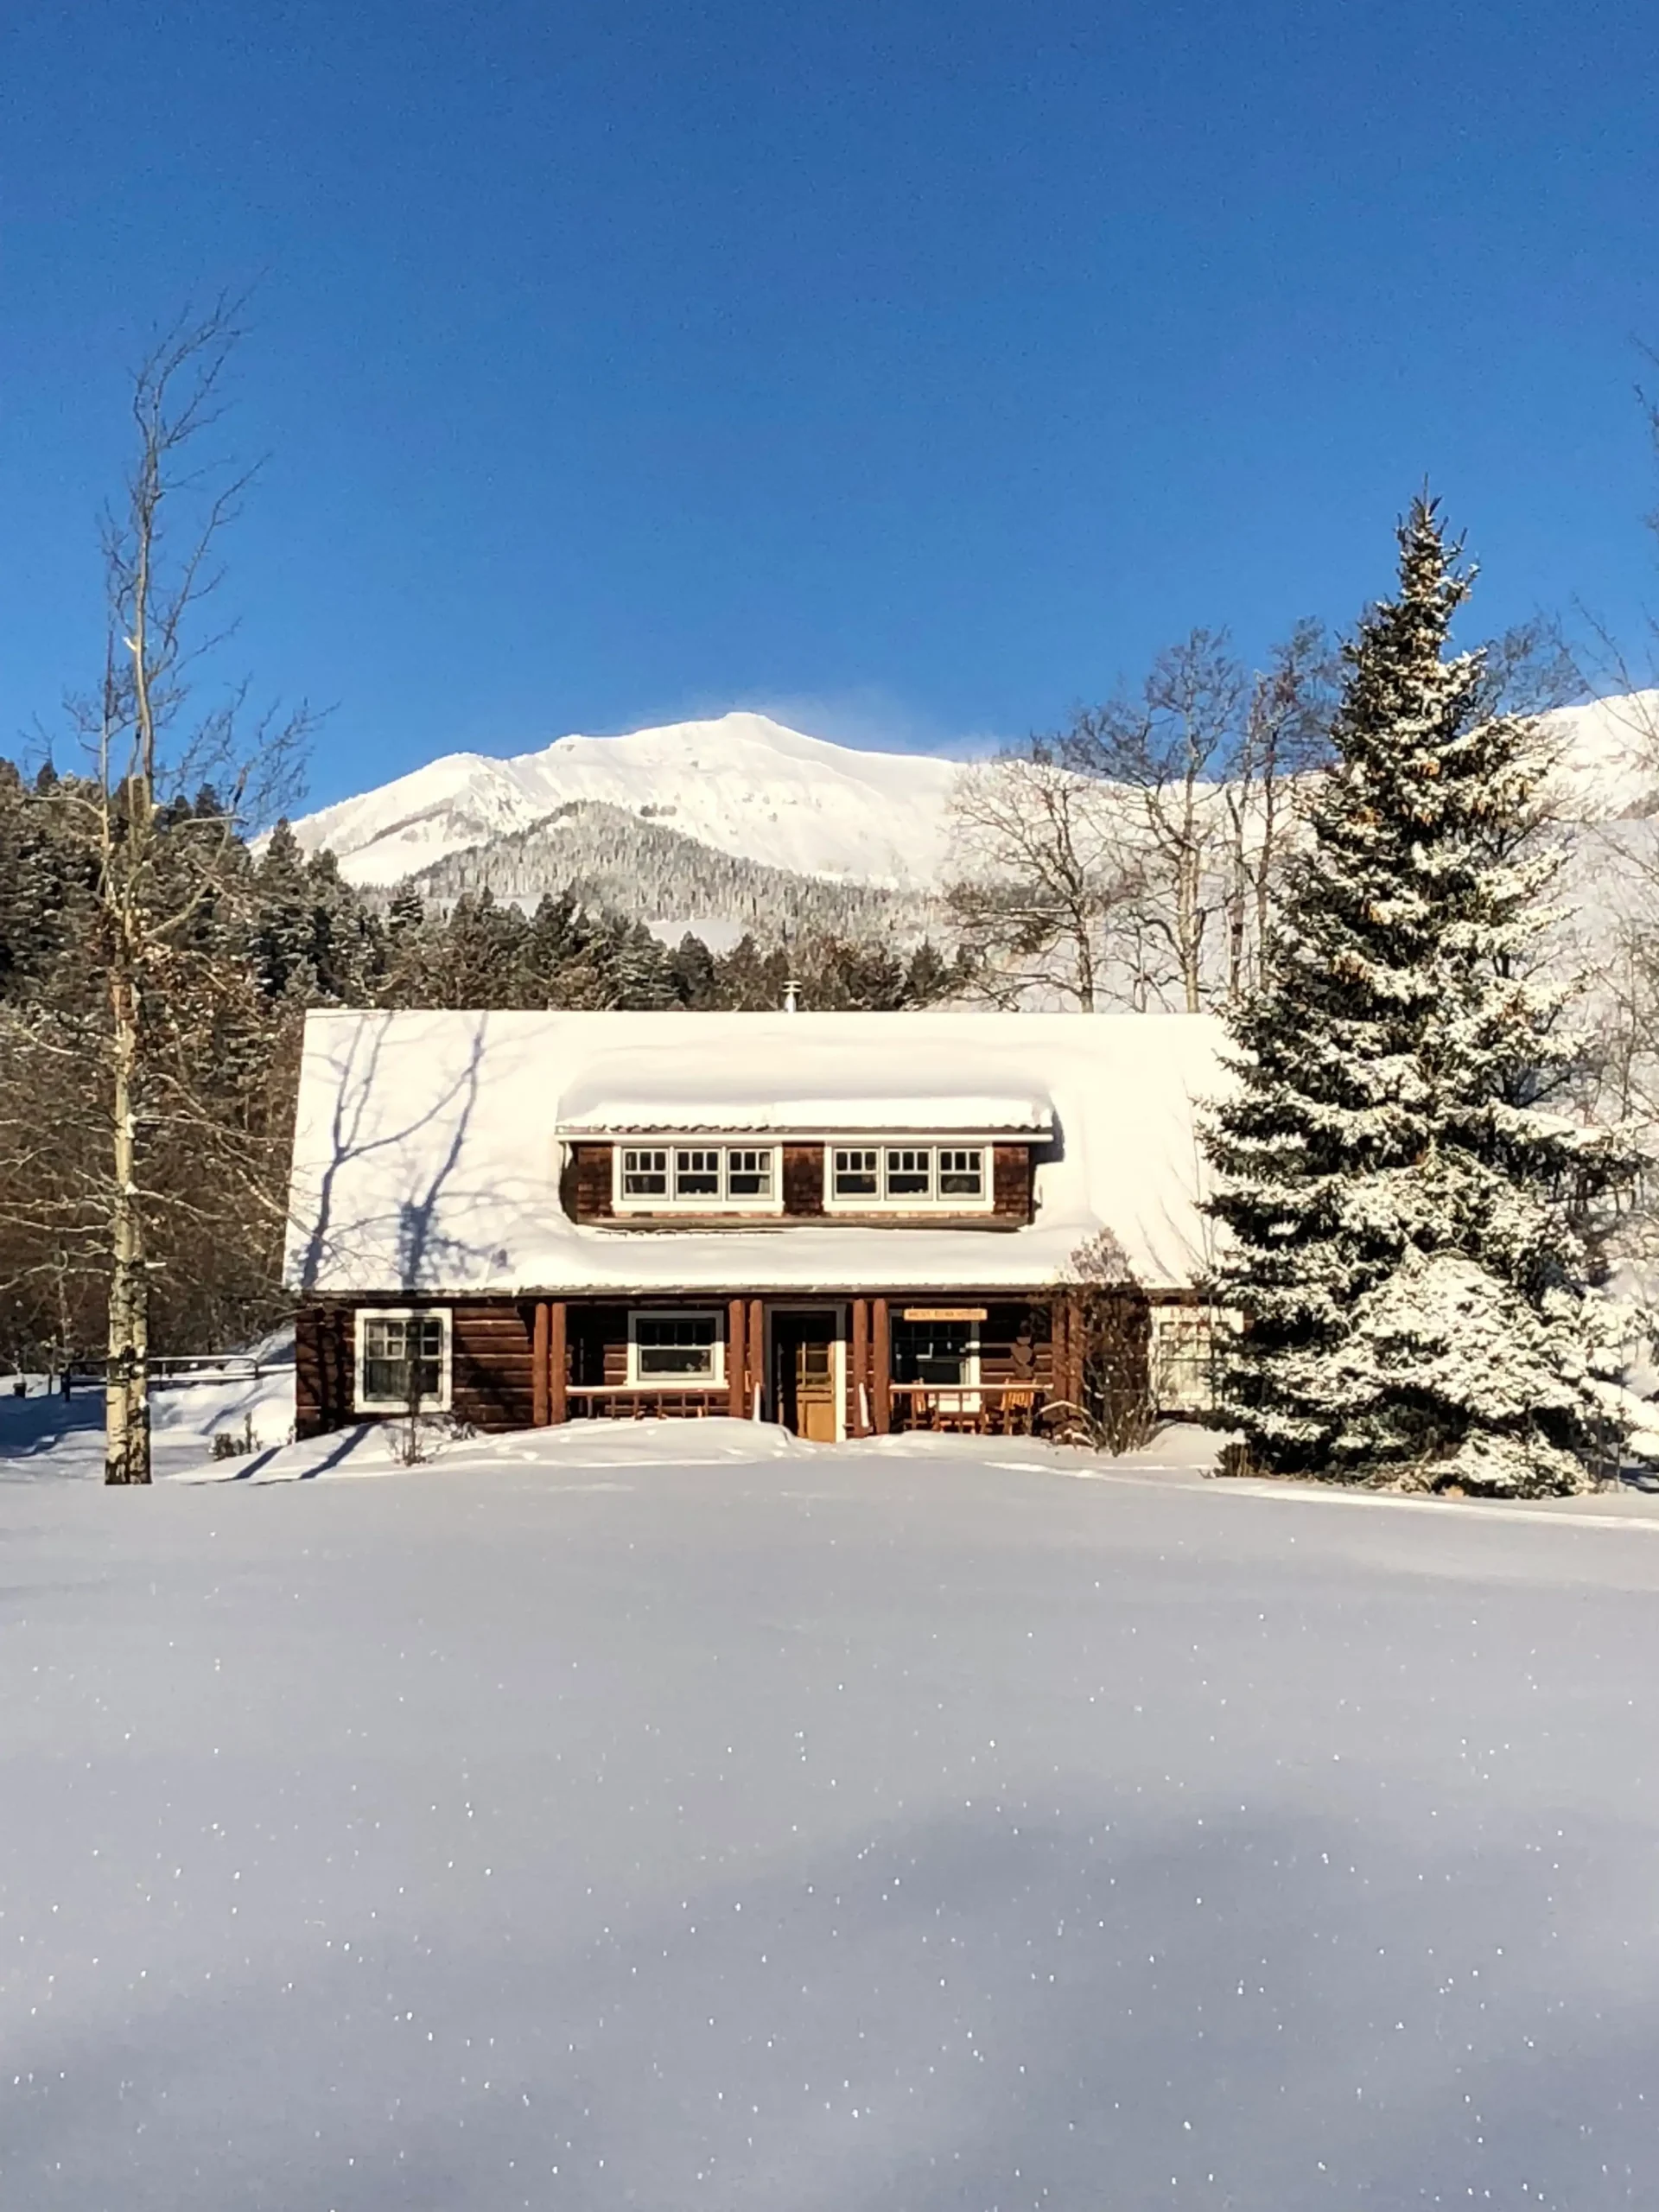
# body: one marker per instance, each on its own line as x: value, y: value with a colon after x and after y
x: 847, y: 1223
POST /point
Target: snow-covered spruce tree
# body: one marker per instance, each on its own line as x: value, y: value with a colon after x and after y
x: 1404, y: 1206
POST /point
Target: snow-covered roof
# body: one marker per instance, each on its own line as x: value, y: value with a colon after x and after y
x: 427, y: 1149
x: 823, y: 1085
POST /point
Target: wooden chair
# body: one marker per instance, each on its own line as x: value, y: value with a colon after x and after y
x: 1017, y: 1415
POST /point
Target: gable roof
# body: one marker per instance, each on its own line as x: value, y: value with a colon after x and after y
x: 427, y: 1145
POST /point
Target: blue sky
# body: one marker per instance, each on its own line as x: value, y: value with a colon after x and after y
x: 916, y: 370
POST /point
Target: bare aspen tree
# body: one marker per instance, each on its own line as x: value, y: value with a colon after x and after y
x: 1284, y: 736
x: 153, y: 877
x: 1039, y: 878
x: 1167, y: 754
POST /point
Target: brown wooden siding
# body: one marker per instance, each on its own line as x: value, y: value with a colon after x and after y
x: 803, y: 1180
x: 585, y: 1188
x: 492, y: 1341
x: 1011, y: 1182
x: 585, y: 1184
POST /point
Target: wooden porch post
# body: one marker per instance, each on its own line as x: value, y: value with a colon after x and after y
x: 756, y: 1351
x: 861, y: 1363
x: 558, y: 1361
x: 538, y: 1366
x: 736, y: 1366
x: 881, y: 1360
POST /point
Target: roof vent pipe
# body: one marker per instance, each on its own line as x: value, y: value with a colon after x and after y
x: 792, y: 1002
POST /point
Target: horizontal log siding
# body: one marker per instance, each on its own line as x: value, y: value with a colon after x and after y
x: 492, y: 1351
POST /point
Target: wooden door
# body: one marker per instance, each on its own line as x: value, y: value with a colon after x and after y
x: 803, y: 1366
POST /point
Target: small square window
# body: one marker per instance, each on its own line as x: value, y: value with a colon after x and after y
x: 401, y: 1362
x: 644, y: 1174
x: 855, y: 1174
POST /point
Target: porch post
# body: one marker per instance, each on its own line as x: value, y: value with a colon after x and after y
x: 861, y: 1363
x: 736, y: 1367
x: 881, y: 1360
x: 558, y: 1361
x: 756, y: 1351
x: 538, y: 1366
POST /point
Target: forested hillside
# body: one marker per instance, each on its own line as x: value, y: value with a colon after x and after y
x: 607, y: 856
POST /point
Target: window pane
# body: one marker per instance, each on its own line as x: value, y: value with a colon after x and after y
x: 962, y: 1173
x: 644, y: 1174
x: 748, y: 1174
x: 398, y: 1352
x: 933, y: 1351
x: 385, y: 1364
x: 909, y: 1173
x: 855, y: 1174
x: 696, y: 1174
x: 677, y: 1344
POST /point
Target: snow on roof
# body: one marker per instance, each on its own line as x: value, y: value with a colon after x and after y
x: 823, y: 1083
x: 427, y: 1147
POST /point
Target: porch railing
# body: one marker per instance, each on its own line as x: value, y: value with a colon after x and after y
x: 632, y: 1401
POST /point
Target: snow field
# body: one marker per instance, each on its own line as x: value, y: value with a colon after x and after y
x: 772, y: 1827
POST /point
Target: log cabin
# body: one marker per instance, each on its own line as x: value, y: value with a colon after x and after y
x: 849, y: 1223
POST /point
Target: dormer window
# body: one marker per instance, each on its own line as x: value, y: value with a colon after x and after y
x: 929, y: 1178
x: 662, y: 1176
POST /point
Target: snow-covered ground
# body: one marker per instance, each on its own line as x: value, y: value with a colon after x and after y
x: 676, y: 1815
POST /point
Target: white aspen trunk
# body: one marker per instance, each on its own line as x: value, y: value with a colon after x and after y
x: 126, y: 1390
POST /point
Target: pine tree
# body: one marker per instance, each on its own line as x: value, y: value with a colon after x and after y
x: 1405, y: 1211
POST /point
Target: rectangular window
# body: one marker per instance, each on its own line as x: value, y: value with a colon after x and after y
x: 910, y: 1178
x: 748, y: 1174
x: 910, y: 1173
x: 696, y: 1174
x: 961, y: 1172
x: 854, y: 1174
x: 644, y: 1174
x: 402, y: 1362
x: 699, y: 1179
x: 946, y: 1353
x: 676, y: 1348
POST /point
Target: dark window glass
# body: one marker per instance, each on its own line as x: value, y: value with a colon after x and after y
x: 933, y: 1351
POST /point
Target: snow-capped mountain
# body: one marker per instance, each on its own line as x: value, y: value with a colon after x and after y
x: 742, y: 784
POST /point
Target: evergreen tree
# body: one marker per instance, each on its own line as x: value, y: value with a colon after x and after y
x: 1405, y: 1211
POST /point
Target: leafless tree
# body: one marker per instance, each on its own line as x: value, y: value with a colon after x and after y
x: 161, y: 862
x: 1165, y: 752
x: 1039, y: 878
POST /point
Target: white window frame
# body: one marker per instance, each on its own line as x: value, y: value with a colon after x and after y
x: 715, y: 1381
x: 441, y: 1403
x: 930, y: 1202
x: 625, y: 1202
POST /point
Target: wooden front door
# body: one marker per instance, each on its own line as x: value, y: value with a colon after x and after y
x: 803, y: 1373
